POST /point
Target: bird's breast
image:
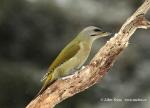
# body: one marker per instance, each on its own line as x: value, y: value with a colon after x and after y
x: 78, y: 59
x: 83, y: 53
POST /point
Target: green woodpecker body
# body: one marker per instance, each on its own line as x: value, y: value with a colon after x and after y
x: 73, y: 56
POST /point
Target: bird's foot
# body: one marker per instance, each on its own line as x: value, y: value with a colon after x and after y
x: 70, y: 75
x: 82, y: 67
x: 67, y: 77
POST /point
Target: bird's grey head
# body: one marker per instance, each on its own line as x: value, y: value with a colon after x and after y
x: 93, y: 32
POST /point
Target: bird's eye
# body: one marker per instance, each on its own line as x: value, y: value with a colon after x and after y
x: 97, y: 30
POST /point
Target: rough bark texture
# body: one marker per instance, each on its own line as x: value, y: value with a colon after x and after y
x: 99, y: 65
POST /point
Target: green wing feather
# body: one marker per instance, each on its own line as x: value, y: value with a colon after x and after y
x: 68, y: 52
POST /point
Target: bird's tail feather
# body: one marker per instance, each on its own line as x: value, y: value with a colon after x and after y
x: 47, y: 81
x: 44, y: 77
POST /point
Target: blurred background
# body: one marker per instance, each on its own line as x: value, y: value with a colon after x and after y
x: 32, y: 33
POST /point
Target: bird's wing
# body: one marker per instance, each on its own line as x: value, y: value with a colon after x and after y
x: 68, y: 52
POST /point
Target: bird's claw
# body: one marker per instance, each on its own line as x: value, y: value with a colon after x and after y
x: 82, y: 67
x: 67, y: 77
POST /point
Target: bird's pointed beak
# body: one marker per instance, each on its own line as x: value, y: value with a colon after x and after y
x: 104, y: 34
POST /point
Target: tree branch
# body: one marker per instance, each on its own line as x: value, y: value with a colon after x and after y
x: 99, y: 65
